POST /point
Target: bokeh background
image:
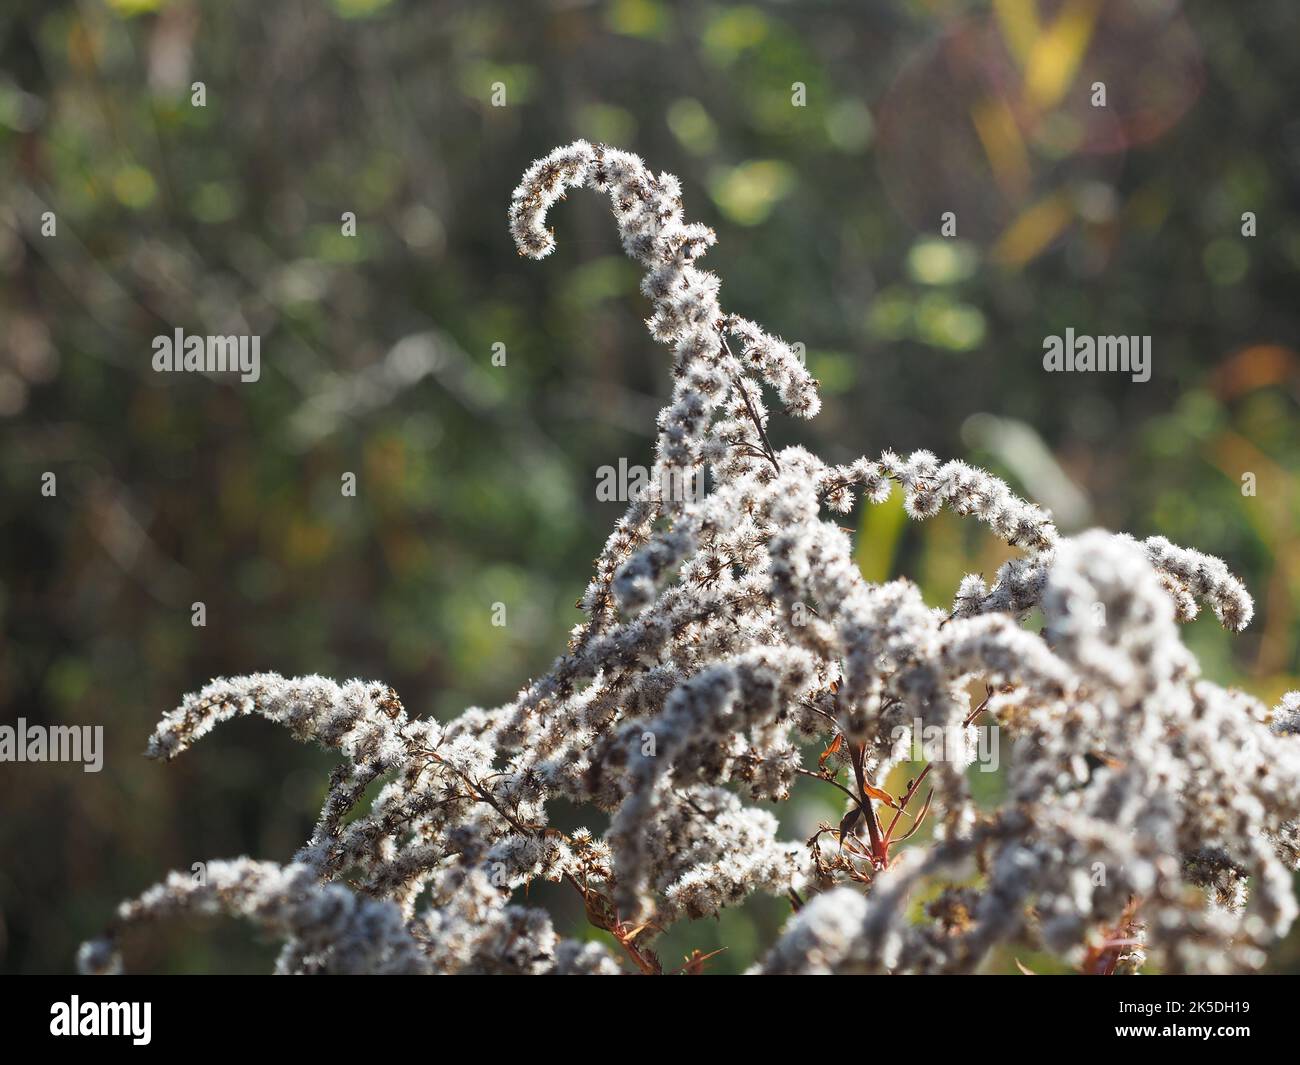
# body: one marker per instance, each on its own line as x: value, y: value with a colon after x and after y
x: 476, y: 483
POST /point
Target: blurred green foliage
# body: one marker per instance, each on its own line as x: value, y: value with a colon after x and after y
x: 476, y: 481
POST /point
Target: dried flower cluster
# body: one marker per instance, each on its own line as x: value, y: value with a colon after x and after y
x: 726, y: 637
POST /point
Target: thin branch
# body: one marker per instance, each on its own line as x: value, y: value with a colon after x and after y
x: 753, y: 414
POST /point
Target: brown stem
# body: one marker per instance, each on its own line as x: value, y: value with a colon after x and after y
x: 858, y: 755
x: 753, y: 414
x: 979, y: 709
x: 834, y: 783
x: 912, y: 790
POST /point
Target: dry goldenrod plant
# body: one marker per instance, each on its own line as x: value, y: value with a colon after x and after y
x: 727, y: 633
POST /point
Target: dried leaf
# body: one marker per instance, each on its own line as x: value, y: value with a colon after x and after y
x: 849, y: 821
x: 880, y: 796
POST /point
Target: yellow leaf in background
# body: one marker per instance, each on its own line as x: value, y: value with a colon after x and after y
x: 692, y: 125
x: 134, y: 187
x: 1033, y: 230
x: 359, y: 8
x: 747, y: 193
x: 638, y: 18
x: 1018, y: 20
x: 129, y: 8
x: 731, y: 31
x: 1056, y: 54
x: 1000, y: 137
x: 878, y: 536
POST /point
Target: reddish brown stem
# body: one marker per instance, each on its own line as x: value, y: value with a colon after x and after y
x: 911, y: 791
